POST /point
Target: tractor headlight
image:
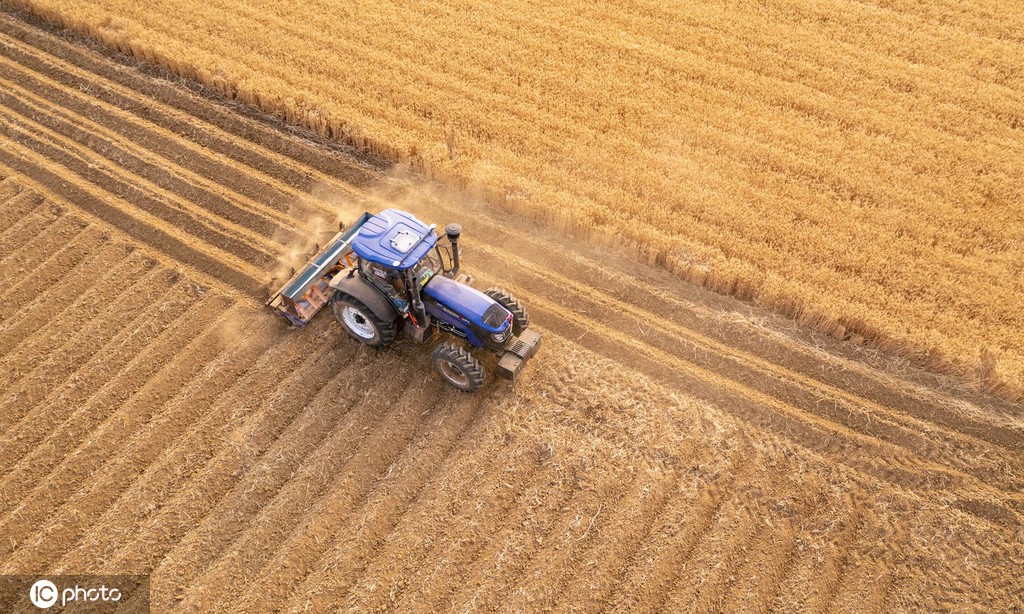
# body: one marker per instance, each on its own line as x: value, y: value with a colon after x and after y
x: 499, y: 337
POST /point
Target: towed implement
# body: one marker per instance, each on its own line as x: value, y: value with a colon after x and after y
x: 387, y: 273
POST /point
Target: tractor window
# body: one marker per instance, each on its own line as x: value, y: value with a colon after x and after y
x: 426, y: 268
x: 388, y: 280
x: 444, y: 258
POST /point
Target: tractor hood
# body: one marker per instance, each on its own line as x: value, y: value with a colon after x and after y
x: 468, y: 302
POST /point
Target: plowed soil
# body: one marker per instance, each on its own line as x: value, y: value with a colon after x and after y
x: 668, y: 450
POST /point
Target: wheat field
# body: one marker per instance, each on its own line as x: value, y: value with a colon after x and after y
x: 670, y: 450
x: 856, y: 165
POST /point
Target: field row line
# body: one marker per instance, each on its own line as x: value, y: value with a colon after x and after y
x: 760, y: 369
x: 199, y: 134
x: 149, y: 197
x: 818, y: 433
x: 138, y: 227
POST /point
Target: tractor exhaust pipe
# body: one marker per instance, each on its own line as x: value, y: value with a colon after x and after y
x: 454, y: 231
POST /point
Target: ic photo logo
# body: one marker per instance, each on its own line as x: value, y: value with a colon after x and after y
x: 44, y: 594
x: 54, y: 593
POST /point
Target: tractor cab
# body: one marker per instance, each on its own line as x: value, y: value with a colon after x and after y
x: 394, y: 249
x: 394, y: 239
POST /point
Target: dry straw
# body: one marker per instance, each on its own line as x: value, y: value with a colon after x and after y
x: 853, y: 166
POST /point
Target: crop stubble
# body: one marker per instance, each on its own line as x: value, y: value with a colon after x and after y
x: 669, y: 449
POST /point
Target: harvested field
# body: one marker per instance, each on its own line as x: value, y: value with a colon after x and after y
x: 854, y: 165
x: 670, y: 450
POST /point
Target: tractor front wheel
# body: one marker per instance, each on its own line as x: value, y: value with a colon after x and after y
x: 520, y: 318
x: 361, y: 323
x: 458, y: 367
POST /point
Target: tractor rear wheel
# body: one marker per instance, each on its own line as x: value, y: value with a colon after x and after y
x: 361, y: 323
x: 520, y: 318
x: 458, y: 367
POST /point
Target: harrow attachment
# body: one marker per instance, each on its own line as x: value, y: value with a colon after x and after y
x: 307, y: 291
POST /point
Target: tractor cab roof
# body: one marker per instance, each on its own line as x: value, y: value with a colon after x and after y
x: 395, y: 239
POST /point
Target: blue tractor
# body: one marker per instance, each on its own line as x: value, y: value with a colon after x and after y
x: 388, y: 273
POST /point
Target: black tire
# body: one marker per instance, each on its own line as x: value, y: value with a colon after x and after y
x: 458, y: 367
x: 361, y: 323
x: 520, y: 318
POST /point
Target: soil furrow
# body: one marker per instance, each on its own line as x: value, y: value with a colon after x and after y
x: 67, y: 436
x: 108, y: 360
x: 57, y: 252
x: 708, y: 572
x: 816, y: 578
x: 79, y: 154
x: 18, y: 206
x: 139, y: 508
x: 162, y: 428
x: 385, y: 506
x: 302, y: 545
x: 590, y: 583
x: 214, y: 471
x: 588, y: 518
x: 507, y: 552
x: 809, y: 395
x: 44, y: 498
x: 76, y: 119
x: 155, y: 234
x: 432, y: 557
x: 231, y: 495
x: 9, y: 188
x: 759, y: 577
x: 220, y: 128
x: 115, y: 112
x: 294, y: 472
x: 59, y: 291
x: 44, y: 362
x: 33, y: 242
x: 339, y: 413
x: 678, y: 533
